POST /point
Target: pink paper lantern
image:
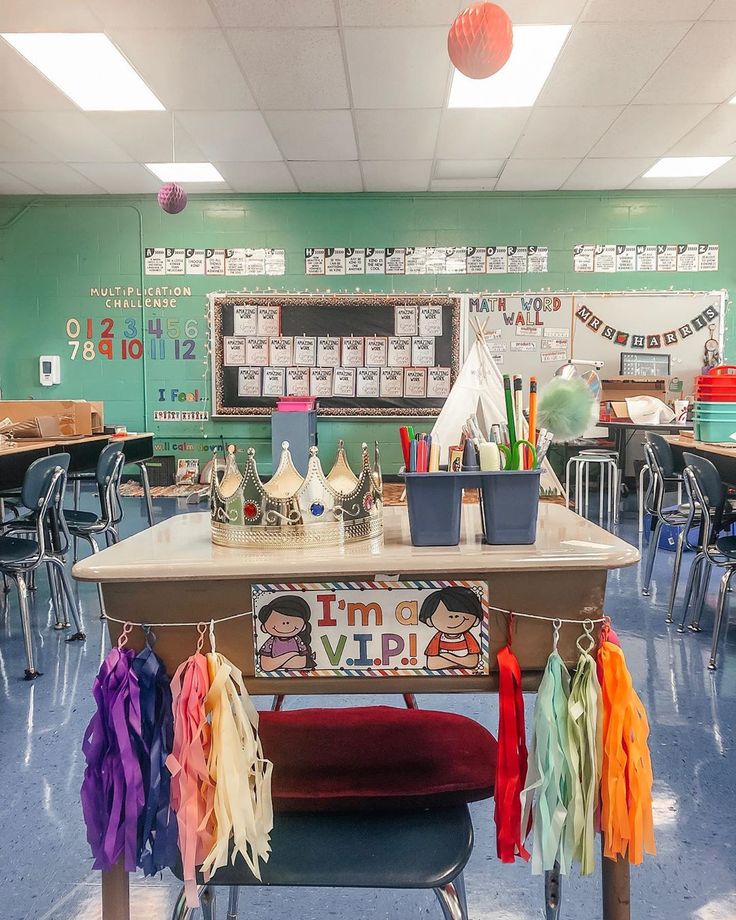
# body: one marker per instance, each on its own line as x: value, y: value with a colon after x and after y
x: 480, y: 40
x: 172, y: 198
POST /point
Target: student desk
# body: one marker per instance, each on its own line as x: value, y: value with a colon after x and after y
x: 722, y: 457
x: 174, y: 572
x: 621, y: 434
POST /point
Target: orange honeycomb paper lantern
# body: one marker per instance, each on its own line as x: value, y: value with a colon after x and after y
x: 480, y: 40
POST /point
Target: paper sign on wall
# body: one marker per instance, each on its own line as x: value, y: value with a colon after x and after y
x: 281, y: 351
x: 305, y: 350
x: 371, y: 630
x: 517, y: 259
x: 249, y: 381
x: 245, y: 319
x: 154, y: 261
x: 334, y: 261
x: 235, y: 261
x: 375, y: 261
x: 297, y: 381
x: 194, y: 261
x: 430, y: 320
x: 405, y: 320
x: 415, y: 382
x: 497, y: 260
x: 256, y: 350
x: 475, y: 260
x: 438, y: 382
x: 269, y: 319
x: 274, y: 379
x: 214, y: 261
x: 395, y: 261
x: 354, y: 261
x: 233, y: 351
x: 646, y: 258
x: 582, y: 258
x: 422, y: 351
x: 399, y: 351
x: 320, y: 381
x: 416, y: 260
x: 255, y: 261
x: 537, y: 258
x: 175, y: 262
x: 707, y: 257
x: 392, y: 382
x: 352, y: 351
x: 314, y: 261
x: 625, y: 258
x: 375, y: 351
x: 328, y: 350
x: 367, y: 384
x: 343, y: 383
x: 667, y: 258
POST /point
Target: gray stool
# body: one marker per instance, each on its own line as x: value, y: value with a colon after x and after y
x: 606, y: 463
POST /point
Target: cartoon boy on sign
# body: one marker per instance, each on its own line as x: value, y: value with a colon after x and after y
x: 452, y: 612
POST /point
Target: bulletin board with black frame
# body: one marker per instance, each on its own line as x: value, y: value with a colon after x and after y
x: 264, y: 346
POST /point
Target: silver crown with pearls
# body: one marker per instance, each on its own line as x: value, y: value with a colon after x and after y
x: 295, y: 510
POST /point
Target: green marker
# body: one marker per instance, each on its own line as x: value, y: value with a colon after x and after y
x: 509, y: 409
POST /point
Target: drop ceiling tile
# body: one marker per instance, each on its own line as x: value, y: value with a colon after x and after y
x: 70, y: 136
x: 714, y: 136
x: 701, y: 69
x: 47, y: 16
x: 391, y: 134
x: 467, y: 134
x: 230, y: 135
x: 267, y: 14
x: 12, y: 185
x: 314, y: 135
x: 23, y: 87
x: 153, y: 14
x: 54, y: 178
x: 608, y: 63
x: 564, y: 131
x: 119, y: 178
x: 257, y: 177
x: 649, y: 130
x: 663, y: 183
x: 462, y: 185
x: 725, y: 177
x: 323, y: 176
x: 187, y: 69
x: 16, y: 147
x: 611, y: 173
x: 524, y: 175
x: 543, y: 12
x: 387, y: 13
x: 398, y: 68
x: 464, y: 170
x: 146, y: 136
x: 293, y: 68
x: 650, y: 10
x: 721, y: 9
x: 397, y: 175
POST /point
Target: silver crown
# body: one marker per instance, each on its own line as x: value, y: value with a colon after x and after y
x: 291, y: 510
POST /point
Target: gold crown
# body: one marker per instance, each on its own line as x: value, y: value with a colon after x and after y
x: 295, y: 510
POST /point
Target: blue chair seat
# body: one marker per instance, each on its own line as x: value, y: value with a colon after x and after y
x: 81, y: 519
x: 727, y: 546
x: 13, y: 550
x: 409, y: 849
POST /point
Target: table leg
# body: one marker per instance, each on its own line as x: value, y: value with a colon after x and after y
x: 116, y: 894
x: 616, y: 888
x: 146, y: 493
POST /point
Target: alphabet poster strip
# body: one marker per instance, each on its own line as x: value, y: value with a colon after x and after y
x: 371, y: 629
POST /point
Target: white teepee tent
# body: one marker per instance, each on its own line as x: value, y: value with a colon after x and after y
x: 478, y: 391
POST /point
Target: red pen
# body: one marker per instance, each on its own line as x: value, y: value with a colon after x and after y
x: 405, y: 439
x: 422, y: 456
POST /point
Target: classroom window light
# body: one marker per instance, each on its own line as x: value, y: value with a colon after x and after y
x: 185, y: 172
x: 684, y: 167
x: 88, y: 68
x: 520, y: 80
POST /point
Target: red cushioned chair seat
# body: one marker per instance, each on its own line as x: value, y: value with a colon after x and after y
x: 376, y: 757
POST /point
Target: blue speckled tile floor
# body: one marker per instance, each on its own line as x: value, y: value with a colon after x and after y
x: 45, y: 865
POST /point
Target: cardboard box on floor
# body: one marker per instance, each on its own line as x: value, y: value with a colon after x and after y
x: 61, y: 417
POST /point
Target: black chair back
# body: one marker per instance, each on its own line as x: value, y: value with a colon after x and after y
x: 663, y: 453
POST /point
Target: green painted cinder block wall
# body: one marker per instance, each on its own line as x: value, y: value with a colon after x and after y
x: 55, y: 252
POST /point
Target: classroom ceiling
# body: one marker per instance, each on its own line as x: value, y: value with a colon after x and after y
x: 351, y: 95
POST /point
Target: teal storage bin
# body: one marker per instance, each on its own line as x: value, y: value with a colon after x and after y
x: 713, y: 431
x: 510, y: 505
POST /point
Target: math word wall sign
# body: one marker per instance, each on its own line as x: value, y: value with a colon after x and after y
x: 371, y: 629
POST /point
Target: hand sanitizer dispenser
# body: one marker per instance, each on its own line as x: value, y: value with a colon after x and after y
x: 49, y: 370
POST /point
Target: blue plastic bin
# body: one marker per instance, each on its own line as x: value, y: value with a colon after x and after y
x: 435, y: 502
x: 510, y: 504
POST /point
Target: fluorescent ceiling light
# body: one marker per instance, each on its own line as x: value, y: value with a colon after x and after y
x: 185, y: 172
x: 684, y: 167
x: 520, y: 80
x: 88, y: 68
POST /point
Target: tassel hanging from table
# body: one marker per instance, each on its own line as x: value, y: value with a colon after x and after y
x: 112, y: 791
x: 549, y: 775
x: 586, y: 754
x: 192, y: 789
x: 511, y: 763
x: 157, y: 831
x: 242, y: 776
x: 626, y: 782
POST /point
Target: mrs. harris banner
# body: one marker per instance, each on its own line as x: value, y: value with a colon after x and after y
x: 371, y: 629
x: 646, y: 340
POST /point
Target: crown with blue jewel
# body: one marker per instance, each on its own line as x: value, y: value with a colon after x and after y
x: 295, y: 510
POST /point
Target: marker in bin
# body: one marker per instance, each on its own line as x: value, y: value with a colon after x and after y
x: 420, y: 451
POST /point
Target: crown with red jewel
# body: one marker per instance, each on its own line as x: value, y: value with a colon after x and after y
x: 295, y: 510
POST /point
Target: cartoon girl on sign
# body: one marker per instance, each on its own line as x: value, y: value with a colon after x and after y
x: 452, y: 612
x: 285, y: 620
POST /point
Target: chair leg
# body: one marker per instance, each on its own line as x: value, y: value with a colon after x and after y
x: 675, y: 576
x: 232, y: 903
x: 60, y: 611
x: 640, y: 496
x: 147, y: 493
x: 25, y: 622
x: 651, y: 555
x: 691, y: 588
x: 71, y: 600
x: 451, y: 902
x: 208, y: 903
x: 701, y: 596
x: 719, y: 620
x: 277, y: 704
x: 77, y: 493
x: 95, y: 549
x: 181, y: 911
x: 552, y: 893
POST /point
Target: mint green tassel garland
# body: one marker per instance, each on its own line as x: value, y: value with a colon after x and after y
x: 585, y: 730
x: 549, y: 776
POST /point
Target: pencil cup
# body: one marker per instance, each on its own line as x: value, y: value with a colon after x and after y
x: 434, y: 501
x: 509, y: 506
